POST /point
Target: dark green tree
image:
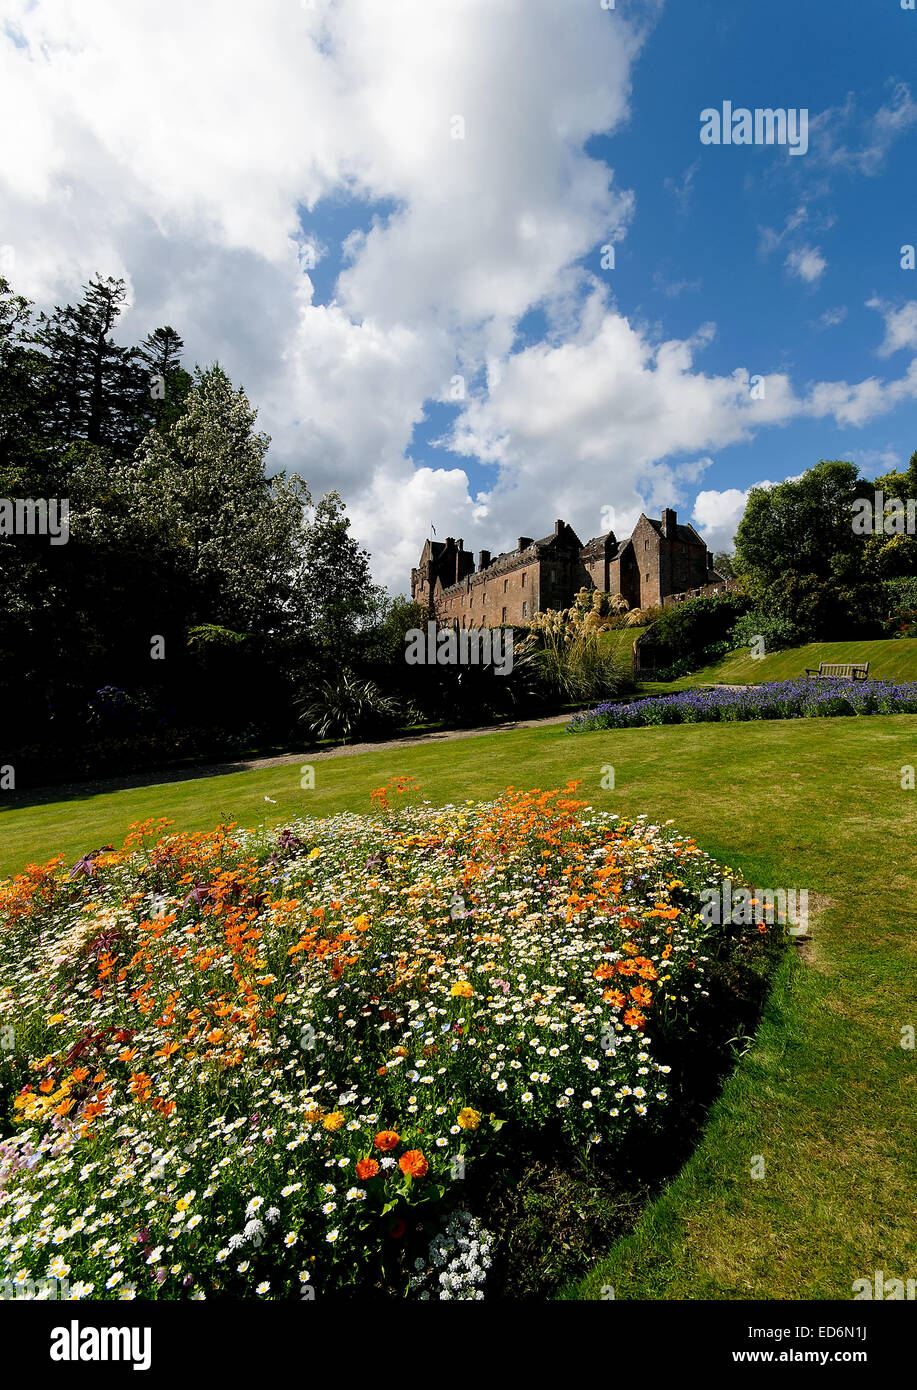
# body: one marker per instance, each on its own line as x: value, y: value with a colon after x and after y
x: 96, y: 388
x: 168, y: 384
x: 802, y: 526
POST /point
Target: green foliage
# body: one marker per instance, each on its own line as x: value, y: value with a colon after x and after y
x: 691, y: 629
x: 346, y: 707
x: 336, y: 598
x: 888, y: 557
x: 899, y: 606
x: 208, y: 636
x: 803, y: 526
x: 580, y: 669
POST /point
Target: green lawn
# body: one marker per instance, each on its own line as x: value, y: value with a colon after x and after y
x: 893, y: 659
x: 826, y: 1095
x: 621, y: 640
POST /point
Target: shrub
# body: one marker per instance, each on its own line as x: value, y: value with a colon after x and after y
x: 899, y: 607
x: 345, y: 707
x: 691, y: 629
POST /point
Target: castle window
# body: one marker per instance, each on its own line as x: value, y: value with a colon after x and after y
x: 504, y: 615
x: 525, y: 610
x: 646, y: 545
x: 505, y: 585
x: 647, y: 577
x: 554, y: 576
x: 524, y: 577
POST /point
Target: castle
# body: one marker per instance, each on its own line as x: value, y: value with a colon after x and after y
x: 660, y: 563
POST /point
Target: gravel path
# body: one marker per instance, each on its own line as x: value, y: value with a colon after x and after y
x: 191, y: 774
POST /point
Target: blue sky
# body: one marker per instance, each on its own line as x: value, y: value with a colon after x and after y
x: 695, y: 249
x: 292, y: 200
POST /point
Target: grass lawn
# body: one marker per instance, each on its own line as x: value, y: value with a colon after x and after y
x: 892, y: 659
x: 826, y: 1094
x: 621, y: 640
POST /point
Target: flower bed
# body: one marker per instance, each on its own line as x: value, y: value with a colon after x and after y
x: 793, y: 699
x: 241, y: 1064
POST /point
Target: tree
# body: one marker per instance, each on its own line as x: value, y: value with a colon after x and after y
x: 198, y: 494
x: 22, y: 388
x: 95, y: 386
x: 336, y: 596
x: 168, y: 383
x: 803, y: 526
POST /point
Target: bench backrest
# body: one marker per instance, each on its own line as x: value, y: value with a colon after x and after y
x: 843, y: 670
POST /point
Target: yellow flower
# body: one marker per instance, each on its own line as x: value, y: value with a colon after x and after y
x: 468, y: 1118
x: 314, y: 853
x: 334, y: 1120
x: 57, y: 1018
x: 461, y: 990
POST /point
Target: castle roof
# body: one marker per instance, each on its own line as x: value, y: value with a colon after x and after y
x: 685, y: 532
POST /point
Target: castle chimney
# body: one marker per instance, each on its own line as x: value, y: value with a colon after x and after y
x: 558, y: 527
x: 524, y: 542
x: 484, y: 560
x: 669, y: 524
x: 460, y: 544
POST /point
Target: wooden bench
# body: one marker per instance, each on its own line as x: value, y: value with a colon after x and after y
x: 841, y: 670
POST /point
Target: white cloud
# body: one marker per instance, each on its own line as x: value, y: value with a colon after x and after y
x: 180, y: 147
x: 874, y: 134
x: 830, y: 318
x: 900, y: 325
x: 717, y: 515
x: 807, y: 262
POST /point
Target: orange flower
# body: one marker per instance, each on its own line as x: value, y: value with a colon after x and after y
x: 334, y: 1120
x: 613, y: 997
x: 461, y: 990
x: 386, y: 1139
x: 634, y: 1019
x: 641, y: 995
x: 367, y: 1168
x: 413, y: 1163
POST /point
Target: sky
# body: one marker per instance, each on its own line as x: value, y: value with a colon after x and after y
x: 390, y: 222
